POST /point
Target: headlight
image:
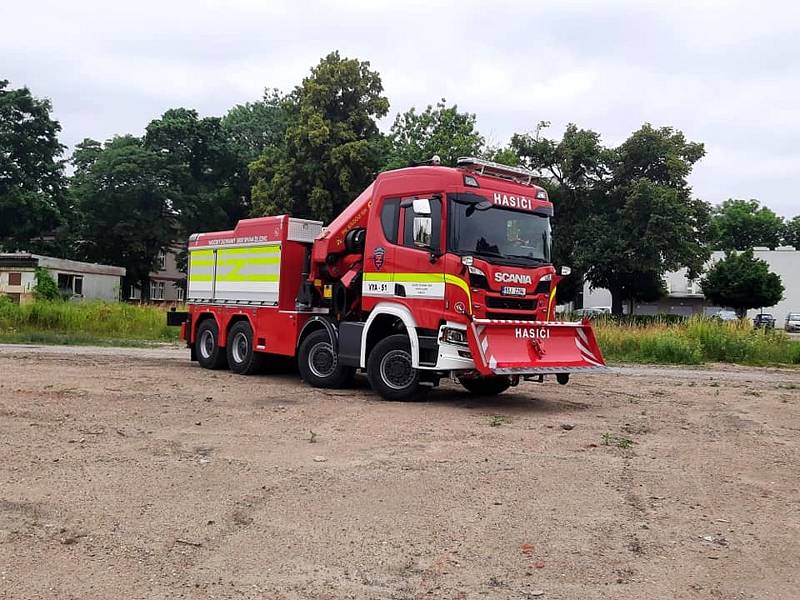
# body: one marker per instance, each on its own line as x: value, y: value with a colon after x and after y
x: 454, y: 336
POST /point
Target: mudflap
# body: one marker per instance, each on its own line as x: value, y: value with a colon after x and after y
x: 509, y: 347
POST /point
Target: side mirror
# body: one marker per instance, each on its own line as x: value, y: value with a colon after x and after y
x: 422, y: 206
x: 565, y: 271
x: 423, y: 230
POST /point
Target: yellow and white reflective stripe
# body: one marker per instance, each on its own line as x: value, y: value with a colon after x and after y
x: 416, y: 285
x: 550, y: 302
x: 240, y: 273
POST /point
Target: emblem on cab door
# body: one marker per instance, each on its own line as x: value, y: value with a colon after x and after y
x: 377, y: 257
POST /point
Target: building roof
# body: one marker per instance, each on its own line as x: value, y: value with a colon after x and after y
x: 26, y: 259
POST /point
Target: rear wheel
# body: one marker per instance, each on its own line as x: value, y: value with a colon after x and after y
x: 390, y: 371
x: 242, y: 359
x: 486, y: 386
x: 319, y: 364
x: 209, y: 354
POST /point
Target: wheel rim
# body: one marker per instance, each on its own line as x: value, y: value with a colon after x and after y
x: 322, y: 360
x: 207, y: 343
x: 240, y: 347
x: 396, y: 370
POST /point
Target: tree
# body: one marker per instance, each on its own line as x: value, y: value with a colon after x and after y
x: 440, y: 130
x: 646, y: 221
x: 742, y: 224
x: 791, y: 232
x: 742, y: 281
x: 253, y: 127
x: 123, y: 196
x: 207, y: 178
x: 332, y: 148
x: 31, y: 172
x: 575, y: 174
x: 623, y: 216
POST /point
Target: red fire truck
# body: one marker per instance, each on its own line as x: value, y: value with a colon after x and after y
x: 431, y: 272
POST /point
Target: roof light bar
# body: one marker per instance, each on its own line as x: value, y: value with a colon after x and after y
x: 493, y: 169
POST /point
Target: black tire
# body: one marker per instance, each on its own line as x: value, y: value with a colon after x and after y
x: 390, y: 372
x: 209, y: 354
x: 242, y: 358
x: 319, y: 365
x: 486, y: 386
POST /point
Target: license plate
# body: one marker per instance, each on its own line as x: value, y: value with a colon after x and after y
x: 508, y: 290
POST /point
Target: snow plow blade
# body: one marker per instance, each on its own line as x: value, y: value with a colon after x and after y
x: 509, y: 347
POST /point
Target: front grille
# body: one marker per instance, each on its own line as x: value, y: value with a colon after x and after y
x: 504, y: 316
x: 510, y: 303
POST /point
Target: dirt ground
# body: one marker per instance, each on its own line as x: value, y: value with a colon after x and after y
x: 136, y: 474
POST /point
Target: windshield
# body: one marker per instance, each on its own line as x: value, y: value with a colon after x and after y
x: 498, y: 232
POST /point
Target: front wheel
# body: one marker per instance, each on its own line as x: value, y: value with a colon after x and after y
x: 390, y: 371
x: 319, y: 364
x: 486, y: 386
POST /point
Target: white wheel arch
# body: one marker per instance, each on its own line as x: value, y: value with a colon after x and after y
x: 401, y: 312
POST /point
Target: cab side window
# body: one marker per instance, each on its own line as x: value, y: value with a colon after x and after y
x: 416, y: 233
x: 390, y: 219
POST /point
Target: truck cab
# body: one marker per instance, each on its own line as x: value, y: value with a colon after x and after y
x: 453, y: 264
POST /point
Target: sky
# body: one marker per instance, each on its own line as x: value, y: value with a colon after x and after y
x: 726, y: 73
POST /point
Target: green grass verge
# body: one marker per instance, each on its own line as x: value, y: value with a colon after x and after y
x: 84, y: 323
x: 694, y: 342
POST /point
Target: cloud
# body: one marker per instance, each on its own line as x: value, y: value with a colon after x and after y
x: 723, y: 72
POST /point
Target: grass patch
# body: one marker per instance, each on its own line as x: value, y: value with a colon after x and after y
x: 694, y: 342
x: 612, y: 439
x: 81, y: 323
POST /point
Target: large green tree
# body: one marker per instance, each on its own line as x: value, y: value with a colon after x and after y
x: 624, y: 216
x: 647, y: 221
x: 254, y: 127
x: 742, y: 224
x: 575, y: 172
x: 332, y: 148
x: 31, y: 172
x: 122, y: 193
x: 741, y: 281
x: 791, y: 232
x: 441, y: 130
x: 207, y: 178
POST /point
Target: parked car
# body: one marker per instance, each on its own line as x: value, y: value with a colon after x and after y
x: 725, y: 315
x: 765, y: 320
x: 594, y: 311
x: 792, y: 322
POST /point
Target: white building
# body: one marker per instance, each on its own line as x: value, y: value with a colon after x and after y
x: 76, y: 280
x: 685, y: 296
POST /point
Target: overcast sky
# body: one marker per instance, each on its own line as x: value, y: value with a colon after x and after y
x: 726, y: 73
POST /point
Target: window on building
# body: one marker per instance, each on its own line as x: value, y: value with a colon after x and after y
x: 162, y: 259
x: 135, y: 293
x: 15, y: 279
x: 70, y: 284
x: 180, y: 293
x: 156, y: 290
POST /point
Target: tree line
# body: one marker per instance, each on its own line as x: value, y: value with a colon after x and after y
x: 624, y: 215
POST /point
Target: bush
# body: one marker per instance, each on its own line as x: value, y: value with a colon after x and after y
x: 45, y: 287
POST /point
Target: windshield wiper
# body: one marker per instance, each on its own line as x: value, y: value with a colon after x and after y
x: 526, y: 257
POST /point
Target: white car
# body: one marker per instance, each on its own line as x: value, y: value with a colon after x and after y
x: 594, y: 311
x: 725, y: 315
x: 792, y: 322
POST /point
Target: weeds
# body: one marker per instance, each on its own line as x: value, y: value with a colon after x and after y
x: 497, y: 420
x: 693, y: 342
x: 612, y: 439
x: 83, y: 322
